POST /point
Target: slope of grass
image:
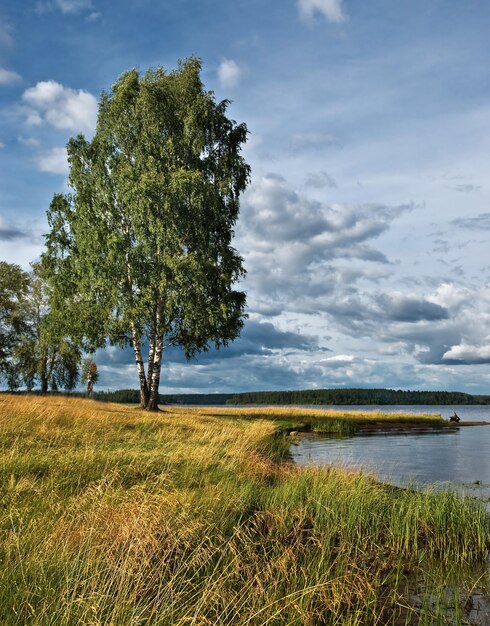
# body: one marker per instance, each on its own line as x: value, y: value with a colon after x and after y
x: 110, y: 515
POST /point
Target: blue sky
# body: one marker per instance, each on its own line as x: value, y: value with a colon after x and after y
x: 365, y: 229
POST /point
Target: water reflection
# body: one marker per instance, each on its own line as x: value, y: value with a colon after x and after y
x: 456, y: 458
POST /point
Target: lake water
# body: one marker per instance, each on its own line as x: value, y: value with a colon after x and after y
x: 456, y: 458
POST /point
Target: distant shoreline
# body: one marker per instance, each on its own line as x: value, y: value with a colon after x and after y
x: 308, y: 397
x: 409, y: 426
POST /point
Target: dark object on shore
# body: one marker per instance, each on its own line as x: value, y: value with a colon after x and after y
x: 455, y: 418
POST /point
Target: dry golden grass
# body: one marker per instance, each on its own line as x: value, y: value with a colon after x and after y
x: 288, y: 413
x: 114, y: 516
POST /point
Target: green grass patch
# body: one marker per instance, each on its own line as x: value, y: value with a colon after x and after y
x: 112, y: 516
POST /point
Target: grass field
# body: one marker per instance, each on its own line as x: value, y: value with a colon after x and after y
x: 110, y: 515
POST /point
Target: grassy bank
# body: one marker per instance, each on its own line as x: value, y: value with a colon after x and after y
x: 113, y: 516
x: 324, y: 421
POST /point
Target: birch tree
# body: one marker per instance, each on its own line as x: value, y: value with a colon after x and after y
x: 33, y: 347
x: 140, y: 252
x: 46, y: 354
x: 90, y: 374
x: 14, y: 289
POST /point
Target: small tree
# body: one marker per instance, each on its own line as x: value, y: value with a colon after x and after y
x: 42, y: 352
x: 141, y: 252
x: 90, y: 374
x: 14, y: 288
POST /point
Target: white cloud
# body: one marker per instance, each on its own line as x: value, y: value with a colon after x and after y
x: 229, y: 73
x: 2, y: 145
x: 340, y: 358
x: 34, y: 119
x: 466, y: 353
x: 44, y: 93
x: 7, y: 77
x: 61, y: 106
x: 332, y: 10
x: 53, y: 161
x: 451, y: 296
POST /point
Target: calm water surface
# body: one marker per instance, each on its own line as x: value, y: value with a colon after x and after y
x: 458, y: 458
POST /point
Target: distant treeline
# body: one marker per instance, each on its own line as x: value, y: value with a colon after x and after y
x: 311, y: 396
x: 125, y: 396
x: 357, y: 396
x: 209, y: 399
x: 132, y: 396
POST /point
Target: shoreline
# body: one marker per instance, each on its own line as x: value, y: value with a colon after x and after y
x: 414, y: 426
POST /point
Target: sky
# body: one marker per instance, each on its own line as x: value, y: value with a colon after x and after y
x: 365, y: 228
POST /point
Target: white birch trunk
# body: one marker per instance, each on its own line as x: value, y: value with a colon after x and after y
x: 151, y: 358
x: 155, y: 375
x: 140, y: 366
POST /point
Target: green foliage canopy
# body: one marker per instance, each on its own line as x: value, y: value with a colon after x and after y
x: 14, y: 286
x: 141, y: 251
x: 33, y: 348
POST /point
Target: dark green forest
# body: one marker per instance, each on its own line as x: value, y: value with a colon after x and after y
x: 132, y: 396
x: 302, y: 397
x: 308, y: 396
x: 357, y: 396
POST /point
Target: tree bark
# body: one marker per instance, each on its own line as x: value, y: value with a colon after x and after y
x: 140, y: 366
x: 90, y: 386
x: 44, y: 375
x: 155, y: 376
x: 155, y: 330
x: 151, y: 356
x: 50, y: 363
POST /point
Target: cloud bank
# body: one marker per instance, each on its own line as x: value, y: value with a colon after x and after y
x: 292, y: 245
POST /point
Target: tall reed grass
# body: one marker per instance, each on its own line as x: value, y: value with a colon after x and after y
x: 113, y: 516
